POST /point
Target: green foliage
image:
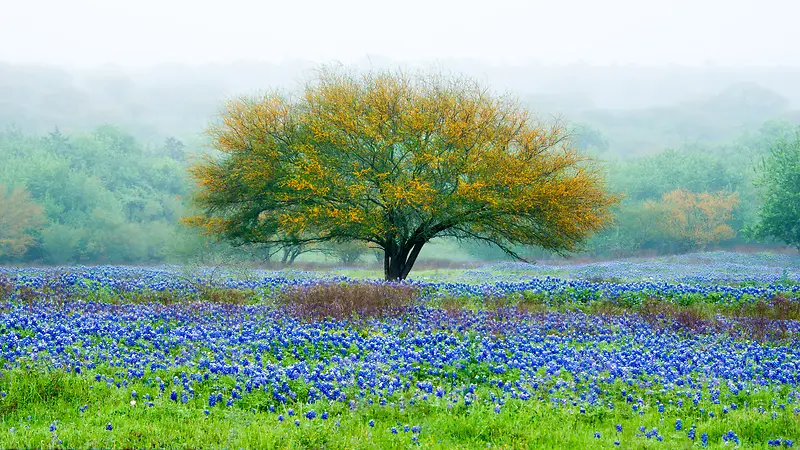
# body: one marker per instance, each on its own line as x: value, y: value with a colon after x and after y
x: 106, y: 198
x: 346, y: 253
x: 36, y: 399
x: 394, y: 160
x: 779, y: 216
x: 109, y: 197
x: 647, y: 179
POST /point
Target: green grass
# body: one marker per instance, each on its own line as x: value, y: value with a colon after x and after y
x: 35, y: 399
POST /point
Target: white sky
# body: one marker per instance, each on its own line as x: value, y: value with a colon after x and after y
x: 87, y: 33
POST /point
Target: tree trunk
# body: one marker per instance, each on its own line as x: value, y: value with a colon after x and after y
x: 285, y: 257
x: 398, y: 260
x: 294, y: 256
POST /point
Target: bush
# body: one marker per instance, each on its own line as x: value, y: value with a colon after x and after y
x: 348, y: 300
x: 6, y: 288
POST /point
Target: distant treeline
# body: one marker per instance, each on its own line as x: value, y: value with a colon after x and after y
x: 94, y: 193
x: 104, y: 197
x: 690, y: 198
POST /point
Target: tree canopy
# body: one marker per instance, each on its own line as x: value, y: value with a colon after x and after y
x: 20, y: 219
x: 779, y: 216
x: 394, y: 160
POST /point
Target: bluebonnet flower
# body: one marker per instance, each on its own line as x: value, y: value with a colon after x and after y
x: 350, y: 365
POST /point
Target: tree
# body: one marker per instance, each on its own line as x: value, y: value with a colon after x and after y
x: 779, y: 216
x: 696, y: 220
x: 588, y: 138
x: 393, y: 160
x: 175, y: 149
x: 347, y: 253
x: 20, y: 220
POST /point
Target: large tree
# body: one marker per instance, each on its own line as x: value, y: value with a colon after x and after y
x: 779, y: 216
x: 393, y: 160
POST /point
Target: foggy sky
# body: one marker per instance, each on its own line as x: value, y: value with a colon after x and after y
x: 90, y: 33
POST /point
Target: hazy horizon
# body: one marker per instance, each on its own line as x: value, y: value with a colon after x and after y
x: 83, y: 34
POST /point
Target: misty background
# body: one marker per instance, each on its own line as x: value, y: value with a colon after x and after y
x: 104, y: 104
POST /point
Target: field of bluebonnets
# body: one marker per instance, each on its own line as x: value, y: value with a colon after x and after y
x: 692, y: 351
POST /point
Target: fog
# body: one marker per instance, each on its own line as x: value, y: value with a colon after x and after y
x: 699, y: 88
x: 89, y: 33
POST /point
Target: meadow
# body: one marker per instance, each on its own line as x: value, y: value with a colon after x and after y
x: 691, y: 351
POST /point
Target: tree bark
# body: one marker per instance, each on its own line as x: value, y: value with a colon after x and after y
x: 285, y: 257
x: 398, y: 260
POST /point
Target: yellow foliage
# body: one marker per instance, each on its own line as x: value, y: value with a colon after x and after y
x: 392, y: 157
x: 697, y: 217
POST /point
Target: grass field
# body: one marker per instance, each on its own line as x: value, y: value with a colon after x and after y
x: 693, y: 351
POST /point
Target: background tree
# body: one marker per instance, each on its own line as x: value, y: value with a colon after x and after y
x: 395, y: 160
x: 20, y: 221
x: 346, y: 253
x: 106, y: 197
x: 779, y: 216
x: 588, y: 138
x: 696, y: 220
